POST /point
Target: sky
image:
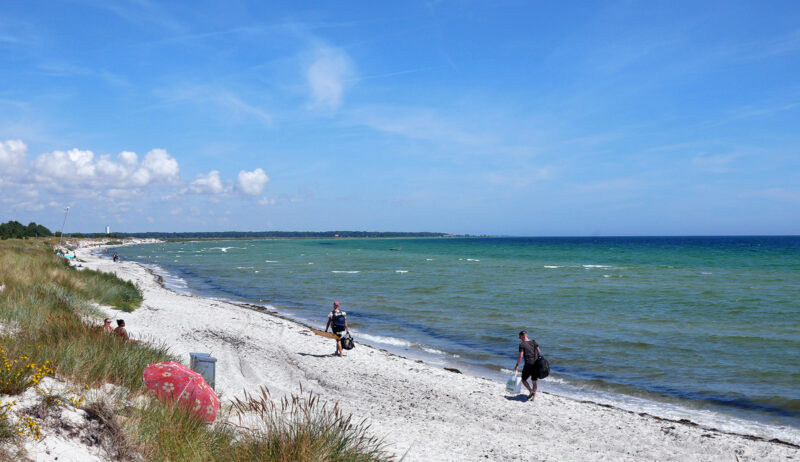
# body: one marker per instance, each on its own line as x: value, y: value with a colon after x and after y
x: 505, y: 118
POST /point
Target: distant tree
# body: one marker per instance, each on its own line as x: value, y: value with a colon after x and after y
x: 16, y: 230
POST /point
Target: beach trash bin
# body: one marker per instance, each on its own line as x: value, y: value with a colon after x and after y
x: 205, y: 365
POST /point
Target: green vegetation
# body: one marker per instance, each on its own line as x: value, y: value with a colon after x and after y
x: 43, y: 307
x: 16, y: 230
x: 301, y: 428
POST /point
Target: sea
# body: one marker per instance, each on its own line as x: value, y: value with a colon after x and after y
x: 699, y: 328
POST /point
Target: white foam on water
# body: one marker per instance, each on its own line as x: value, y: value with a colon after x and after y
x: 434, y: 351
x: 223, y: 249
x: 270, y: 261
x: 171, y: 281
x: 606, y: 275
x: 401, y: 271
x: 472, y: 259
x: 596, y: 266
x: 552, y: 266
x: 385, y: 340
x: 256, y: 271
x: 346, y: 272
x: 244, y: 267
x: 429, y: 259
x: 705, y: 272
x: 311, y: 263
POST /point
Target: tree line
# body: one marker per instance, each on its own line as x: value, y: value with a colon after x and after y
x: 276, y: 234
x: 16, y: 230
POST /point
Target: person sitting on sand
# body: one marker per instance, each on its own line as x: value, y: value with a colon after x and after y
x: 120, y: 330
x: 107, y: 326
x: 337, y: 320
x: 529, y: 350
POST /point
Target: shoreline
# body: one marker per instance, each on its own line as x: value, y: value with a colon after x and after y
x: 445, y: 434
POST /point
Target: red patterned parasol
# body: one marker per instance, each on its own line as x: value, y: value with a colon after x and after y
x: 171, y: 382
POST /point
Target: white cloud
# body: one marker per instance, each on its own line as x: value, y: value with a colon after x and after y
x: 266, y: 201
x: 12, y: 155
x: 327, y: 75
x: 82, y: 174
x: 519, y: 179
x: 73, y: 166
x: 783, y: 194
x: 161, y: 164
x: 208, y: 184
x: 252, y: 183
x: 76, y: 167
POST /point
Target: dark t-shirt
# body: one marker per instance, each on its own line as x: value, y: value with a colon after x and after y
x: 528, y: 350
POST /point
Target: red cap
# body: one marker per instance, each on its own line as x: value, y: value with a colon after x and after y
x: 335, y: 303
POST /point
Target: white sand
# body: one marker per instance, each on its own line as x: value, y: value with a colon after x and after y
x: 430, y: 413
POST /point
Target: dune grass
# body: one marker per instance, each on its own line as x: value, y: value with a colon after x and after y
x: 44, y: 305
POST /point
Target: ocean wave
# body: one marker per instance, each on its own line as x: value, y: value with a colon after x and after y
x: 271, y: 261
x: 596, y: 266
x: 552, y: 266
x: 171, y: 281
x: 345, y: 272
x: 401, y: 271
x: 244, y: 267
x: 434, y: 351
x: 429, y: 259
x: 386, y: 340
x: 472, y: 259
x: 223, y: 249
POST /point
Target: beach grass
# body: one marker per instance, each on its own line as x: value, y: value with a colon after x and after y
x: 48, y: 324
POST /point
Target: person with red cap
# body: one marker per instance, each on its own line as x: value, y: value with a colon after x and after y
x: 337, y: 320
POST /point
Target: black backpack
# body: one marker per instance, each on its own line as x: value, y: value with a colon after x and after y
x: 542, y: 367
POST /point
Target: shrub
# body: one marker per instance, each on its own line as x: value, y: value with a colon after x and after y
x: 16, y: 375
x: 301, y: 428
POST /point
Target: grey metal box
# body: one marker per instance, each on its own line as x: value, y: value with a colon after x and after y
x: 205, y: 365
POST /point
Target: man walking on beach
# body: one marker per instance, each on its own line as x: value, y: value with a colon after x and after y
x: 337, y: 320
x: 529, y: 350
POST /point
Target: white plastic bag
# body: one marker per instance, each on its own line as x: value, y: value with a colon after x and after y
x: 514, y: 383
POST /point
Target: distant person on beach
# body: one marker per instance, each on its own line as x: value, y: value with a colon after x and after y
x: 337, y: 321
x: 116, y: 257
x: 529, y: 350
x: 107, y: 325
x: 122, y: 333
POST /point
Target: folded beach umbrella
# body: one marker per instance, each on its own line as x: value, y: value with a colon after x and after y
x: 173, y: 382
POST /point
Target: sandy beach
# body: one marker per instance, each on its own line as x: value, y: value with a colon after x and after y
x: 424, y: 412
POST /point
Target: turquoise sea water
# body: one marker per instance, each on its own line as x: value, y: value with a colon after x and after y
x: 707, y: 324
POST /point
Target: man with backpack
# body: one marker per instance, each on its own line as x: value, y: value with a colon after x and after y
x: 337, y: 320
x: 529, y: 350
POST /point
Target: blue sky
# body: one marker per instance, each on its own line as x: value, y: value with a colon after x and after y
x: 520, y: 118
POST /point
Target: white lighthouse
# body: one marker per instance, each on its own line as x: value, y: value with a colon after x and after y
x: 108, y: 230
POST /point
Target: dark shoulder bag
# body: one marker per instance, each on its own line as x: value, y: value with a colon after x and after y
x: 542, y: 366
